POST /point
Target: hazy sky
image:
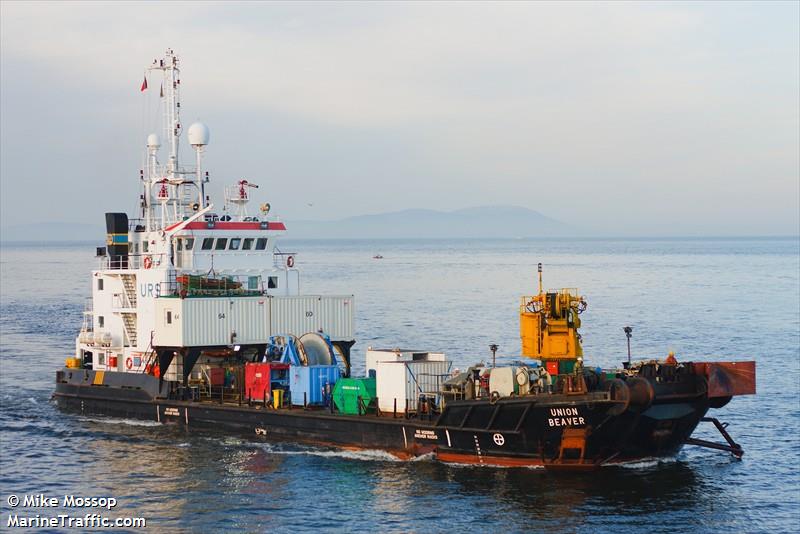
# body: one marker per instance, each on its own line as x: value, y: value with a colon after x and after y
x: 623, y: 118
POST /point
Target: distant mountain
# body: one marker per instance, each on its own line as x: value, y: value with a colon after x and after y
x: 478, y: 222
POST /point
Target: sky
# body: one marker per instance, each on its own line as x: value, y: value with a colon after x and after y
x: 647, y: 119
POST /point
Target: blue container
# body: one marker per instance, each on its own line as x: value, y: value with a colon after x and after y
x: 315, y: 381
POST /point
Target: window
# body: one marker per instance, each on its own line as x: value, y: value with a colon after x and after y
x: 101, y: 321
x: 248, y: 243
x: 235, y: 242
x: 102, y: 359
x: 189, y: 243
x: 208, y: 243
x: 99, y: 284
x: 272, y: 282
x: 179, y: 244
x: 136, y: 248
x: 261, y: 243
x: 145, y: 246
x: 169, y: 317
x: 221, y: 242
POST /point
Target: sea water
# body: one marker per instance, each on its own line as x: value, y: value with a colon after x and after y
x: 704, y: 299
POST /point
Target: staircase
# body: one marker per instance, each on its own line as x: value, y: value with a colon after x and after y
x: 129, y: 281
x: 129, y: 320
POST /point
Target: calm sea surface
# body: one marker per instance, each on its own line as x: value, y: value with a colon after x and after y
x: 704, y: 299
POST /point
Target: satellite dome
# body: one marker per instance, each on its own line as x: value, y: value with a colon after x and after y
x: 153, y: 141
x: 198, y: 134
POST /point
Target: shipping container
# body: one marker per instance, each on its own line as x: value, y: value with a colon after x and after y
x: 406, y: 381
x: 399, y: 355
x: 216, y: 321
x: 312, y: 384
x: 212, y: 321
x: 298, y: 315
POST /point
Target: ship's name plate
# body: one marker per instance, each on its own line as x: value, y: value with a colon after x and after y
x: 425, y: 434
x: 565, y: 417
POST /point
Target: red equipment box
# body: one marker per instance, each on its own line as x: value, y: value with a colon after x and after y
x: 258, y: 379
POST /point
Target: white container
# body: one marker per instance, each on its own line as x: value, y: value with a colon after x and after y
x: 213, y: 321
x: 399, y: 355
x: 333, y: 315
x: 406, y: 381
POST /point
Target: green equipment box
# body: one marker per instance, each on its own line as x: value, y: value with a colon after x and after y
x: 348, y: 390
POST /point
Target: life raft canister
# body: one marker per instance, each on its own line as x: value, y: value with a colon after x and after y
x: 290, y: 262
x: 148, y: 262
x: 129, y: 363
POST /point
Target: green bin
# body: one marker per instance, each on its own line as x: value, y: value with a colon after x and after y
x: 348, y: 390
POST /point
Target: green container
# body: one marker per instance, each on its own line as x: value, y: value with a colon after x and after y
x: 348, y: 390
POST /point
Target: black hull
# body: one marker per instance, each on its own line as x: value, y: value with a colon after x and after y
x: 559, y: 431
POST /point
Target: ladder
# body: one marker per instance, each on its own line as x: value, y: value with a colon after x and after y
x: 129, y: 321
x: 129, y: 282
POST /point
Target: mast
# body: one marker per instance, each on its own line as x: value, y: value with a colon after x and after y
x: 170, y: 186
x: 168, y: 65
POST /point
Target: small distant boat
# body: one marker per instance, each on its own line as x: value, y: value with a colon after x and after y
x: 377, y: 257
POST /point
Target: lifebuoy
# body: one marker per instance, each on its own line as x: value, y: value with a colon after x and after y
x: 129, y: 363
x: 148, y: 262
x: 290, y: 262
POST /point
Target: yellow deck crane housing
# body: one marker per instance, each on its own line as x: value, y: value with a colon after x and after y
x: 548, y: 324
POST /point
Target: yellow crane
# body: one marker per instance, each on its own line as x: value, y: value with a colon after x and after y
x: 549, y: 323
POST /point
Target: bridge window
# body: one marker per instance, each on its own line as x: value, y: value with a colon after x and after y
x: 235, y: 242
x: 207, y: 243
x: 272, y: 282
x: 221, y: 242
x: 189, y: 243
x: 261, y: 243
x: 248, y: 243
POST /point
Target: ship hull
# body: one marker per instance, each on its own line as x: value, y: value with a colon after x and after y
x: 560, y: 432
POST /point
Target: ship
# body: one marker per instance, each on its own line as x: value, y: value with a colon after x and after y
x: 196, y: 318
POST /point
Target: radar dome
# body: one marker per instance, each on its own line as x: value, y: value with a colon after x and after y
x: 198, y: 134
x: 153, y: 141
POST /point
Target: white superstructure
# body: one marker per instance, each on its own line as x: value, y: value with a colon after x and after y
x: 184, y: 275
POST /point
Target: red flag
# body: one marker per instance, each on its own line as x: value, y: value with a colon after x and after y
x: 144, y: 84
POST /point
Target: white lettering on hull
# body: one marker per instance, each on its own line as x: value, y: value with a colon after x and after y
x: 565, y: 417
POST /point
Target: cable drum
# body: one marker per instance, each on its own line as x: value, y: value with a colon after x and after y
x: 314, y: 349
x: 620, y: 394
x: 641, y: 393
